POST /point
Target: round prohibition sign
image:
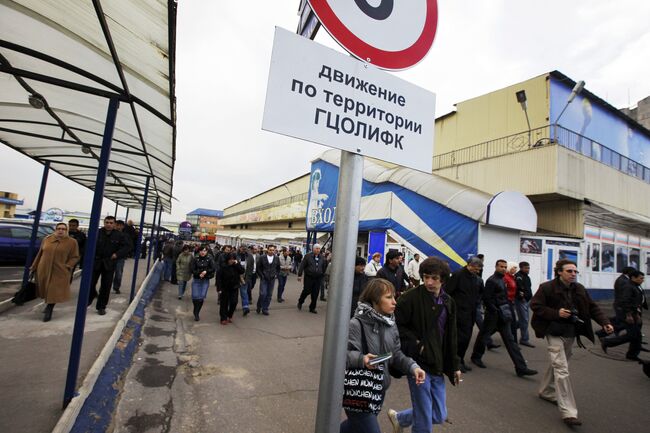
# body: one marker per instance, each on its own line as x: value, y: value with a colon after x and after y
x: 390, y: 34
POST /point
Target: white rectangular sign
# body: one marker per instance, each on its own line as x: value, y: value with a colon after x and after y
x: 318, y: 94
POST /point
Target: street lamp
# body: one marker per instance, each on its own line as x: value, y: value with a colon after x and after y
x: 521, y: 98
x: 576, y: 90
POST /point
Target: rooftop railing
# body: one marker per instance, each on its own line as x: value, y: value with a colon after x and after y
x: 541, y: 137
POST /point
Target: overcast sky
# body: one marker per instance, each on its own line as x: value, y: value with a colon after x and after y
x: 223, y: 55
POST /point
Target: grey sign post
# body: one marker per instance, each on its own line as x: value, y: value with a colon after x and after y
x: 330, y: 390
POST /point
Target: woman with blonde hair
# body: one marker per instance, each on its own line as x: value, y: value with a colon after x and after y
x: 56, y: 258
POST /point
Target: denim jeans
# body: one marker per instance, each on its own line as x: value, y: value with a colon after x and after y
x: 243, y: 292
x: 167, y: 270
x: 429, y: 404
x: 200, y: 288
x: 360, y: 422
x: 117, y: 277
x: 181, y: 288
x: 266, y: 294
x: 282, y: 281
x: 521, y: 306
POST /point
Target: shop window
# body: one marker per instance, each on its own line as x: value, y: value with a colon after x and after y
x: 608, y: 256
x: 635, y: 258
x: 593, y: 257
x: 622, y: 254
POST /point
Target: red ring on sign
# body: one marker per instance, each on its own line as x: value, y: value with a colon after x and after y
x: 393, y: 60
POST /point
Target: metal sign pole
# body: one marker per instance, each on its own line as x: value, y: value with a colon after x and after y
x: 117, y: 204
x: 37, y: 220
x: 151, y: 233
x: 346, y: 229
x: 136, y: 256
x: 89, y: 256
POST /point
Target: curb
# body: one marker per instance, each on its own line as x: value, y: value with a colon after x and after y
x: 100, y: 375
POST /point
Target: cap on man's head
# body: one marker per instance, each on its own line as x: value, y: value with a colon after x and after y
x: 316, y: 246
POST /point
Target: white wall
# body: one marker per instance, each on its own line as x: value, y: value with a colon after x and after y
x: 497, y: 243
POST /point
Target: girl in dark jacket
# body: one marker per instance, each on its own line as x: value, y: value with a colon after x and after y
x: 202, y: 271
x: 230, y: 279
x: 375, y: 315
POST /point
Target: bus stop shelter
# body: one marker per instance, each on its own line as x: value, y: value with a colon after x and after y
x: 87, y: 89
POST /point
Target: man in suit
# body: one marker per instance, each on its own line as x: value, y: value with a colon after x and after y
x: 268, y: 269
x: 111, y: 246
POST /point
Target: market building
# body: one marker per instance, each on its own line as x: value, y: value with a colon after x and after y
x: 205, y: 222
x: 568, y: 168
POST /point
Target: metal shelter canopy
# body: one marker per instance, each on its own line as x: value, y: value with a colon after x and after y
x: 70, y: 57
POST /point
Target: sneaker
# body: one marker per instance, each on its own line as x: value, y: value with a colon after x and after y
x: 300, y: 305
x: 313, y: 311
x: 117, y: 291
x: 266, y: 313
x: 280, y: 300
x: 571, y: 421
x: 180, y: 297
x: 246, y: 311
x: 101, y: 311
x: 392, y: 416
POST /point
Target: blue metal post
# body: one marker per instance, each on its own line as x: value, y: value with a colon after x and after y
x: 89, y: 256
x: 139, y: 241
x: 151, y: 243
x: 37, y: 220
x: 158, y: 231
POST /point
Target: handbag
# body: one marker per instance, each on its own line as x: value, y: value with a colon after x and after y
x: 505, y: 313
x: 363, y: 389
x: 26, y: 292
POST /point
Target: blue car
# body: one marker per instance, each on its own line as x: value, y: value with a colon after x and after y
x: 14, y: 241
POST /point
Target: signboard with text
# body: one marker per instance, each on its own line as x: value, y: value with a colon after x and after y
x: 318, y: 94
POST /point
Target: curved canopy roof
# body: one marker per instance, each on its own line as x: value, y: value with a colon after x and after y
x: 70, y: 57
x: 508, y: 209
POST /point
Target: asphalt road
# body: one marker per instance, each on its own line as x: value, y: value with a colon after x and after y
x: 261, y: 374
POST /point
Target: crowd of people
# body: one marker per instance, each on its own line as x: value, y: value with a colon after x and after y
x: 415, y: 319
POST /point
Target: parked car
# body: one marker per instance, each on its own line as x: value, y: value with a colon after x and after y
x: 14, y: 241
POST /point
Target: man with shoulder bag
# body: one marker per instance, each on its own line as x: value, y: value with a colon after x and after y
x: 562, y: 311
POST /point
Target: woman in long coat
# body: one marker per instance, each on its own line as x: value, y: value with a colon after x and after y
x: 184, y: 269
x: 53, y: 265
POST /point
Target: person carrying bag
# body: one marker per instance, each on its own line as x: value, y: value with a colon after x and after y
x: 373, y: 347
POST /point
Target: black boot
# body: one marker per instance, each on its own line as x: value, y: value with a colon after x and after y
x: 48, y: 312
x: 197, y: 308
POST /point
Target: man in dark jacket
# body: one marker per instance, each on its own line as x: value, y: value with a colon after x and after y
x: 393, y: 271
x: 359, y: 283
x: 80, y: 237
x: 562, y: 311
x: 313, y: 265
x: 250, y: 278
x: 627, y: 305
x: 522, y: 298
x: 425, y: 318
x: 268, y: 268
x: 111, y: 246
x: 497, y: 319
x: 464, y: 286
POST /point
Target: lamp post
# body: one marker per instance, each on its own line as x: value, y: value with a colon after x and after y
x: 576, y: 90
x: 521, y: 98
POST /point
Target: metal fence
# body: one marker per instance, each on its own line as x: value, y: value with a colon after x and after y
x: 540, y: 137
